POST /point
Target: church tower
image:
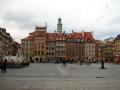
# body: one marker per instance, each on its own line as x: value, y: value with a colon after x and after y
x: 59, y: 26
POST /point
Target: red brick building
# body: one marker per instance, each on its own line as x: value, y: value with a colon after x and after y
x: 58, y: 46
x: 74, y: 47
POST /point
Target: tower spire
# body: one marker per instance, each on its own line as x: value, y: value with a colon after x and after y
x: 59, y: 25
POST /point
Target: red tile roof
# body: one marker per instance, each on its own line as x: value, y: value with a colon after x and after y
x: 77, y: 35
x: 88, y: 36
x: 29, y: 38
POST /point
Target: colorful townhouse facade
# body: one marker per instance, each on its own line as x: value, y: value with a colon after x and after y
x: 58, y: 46
x: 7, y: 44
x: 117, y: 49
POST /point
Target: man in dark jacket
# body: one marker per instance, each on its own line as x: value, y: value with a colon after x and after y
x: 1, y: 65
x: 4, y: 65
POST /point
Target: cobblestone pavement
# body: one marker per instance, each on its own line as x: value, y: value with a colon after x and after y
x: 58, y: 77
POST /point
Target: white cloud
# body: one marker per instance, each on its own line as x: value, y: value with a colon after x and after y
x: 100, y: 16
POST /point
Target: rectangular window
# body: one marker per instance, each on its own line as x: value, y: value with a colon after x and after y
x: 35, y: 52
x: 38, y: 52
x: 52, y: 48
x: 42, y: 47
x: 42, y: 53
x: 52, y: 53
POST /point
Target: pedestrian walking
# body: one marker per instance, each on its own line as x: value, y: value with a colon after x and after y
x: 4, y: 66
x: 65, y: 63
x: 81, y: 62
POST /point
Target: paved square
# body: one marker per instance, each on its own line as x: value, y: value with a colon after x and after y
x: 58, y: 77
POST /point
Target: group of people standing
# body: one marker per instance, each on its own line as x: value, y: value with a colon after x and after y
x: 3, y: 65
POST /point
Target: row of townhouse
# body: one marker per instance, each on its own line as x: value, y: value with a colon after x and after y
x: 41, y: 46
x: 104, y: 50
x: 109, y: 49
x: 117, y: 48
x: 8, y: 47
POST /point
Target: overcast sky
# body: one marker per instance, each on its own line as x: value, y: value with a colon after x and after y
x: 20, y: 17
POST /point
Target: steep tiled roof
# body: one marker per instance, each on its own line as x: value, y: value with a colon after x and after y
x: 77, y: 35
x: 88, y: 36
x: 29, y: 38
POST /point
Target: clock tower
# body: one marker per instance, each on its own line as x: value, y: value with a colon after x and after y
x: 59, y: 26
